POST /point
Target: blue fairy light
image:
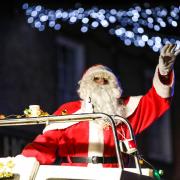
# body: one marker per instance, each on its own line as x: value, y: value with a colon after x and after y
x: 28, y: 11
x: 25, y: 6
x: 57, y: 27
x: 150, y: 42
x: 58, y: 14
x: 51, y: 23
x: 155, y: 49
x: 64, y: 15
x: 112, y: 19
x: 127, y: 42
x: 37, y: 24
x: 84, y: 29
x: 150, y: 25
x: 41, y: 28
x: 38, y: 8
x: 43, y: 17
x: 156, y: 27
x: 95, y: 24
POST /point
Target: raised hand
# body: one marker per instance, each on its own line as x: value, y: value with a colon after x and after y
x: 167, y: 58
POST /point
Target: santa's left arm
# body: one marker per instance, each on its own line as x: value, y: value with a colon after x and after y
x: 157, y: 100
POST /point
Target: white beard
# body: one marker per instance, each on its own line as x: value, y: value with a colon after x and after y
x: 104, y: 100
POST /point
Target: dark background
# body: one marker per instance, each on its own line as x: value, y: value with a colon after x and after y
x: 31, y: 62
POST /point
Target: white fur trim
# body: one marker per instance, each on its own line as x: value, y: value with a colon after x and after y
x: 63, y: 125
x: 96, y: 141
x: 56, y: 126
x: 163, y: 90
x: 132, y: 105
x: 88, y: 108
x: 98, y: 70
x: 129, y: 109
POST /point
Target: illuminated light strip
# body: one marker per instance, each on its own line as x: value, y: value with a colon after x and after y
x: 130, y: 26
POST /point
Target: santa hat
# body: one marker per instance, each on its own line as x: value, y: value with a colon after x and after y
x: 98, y: 71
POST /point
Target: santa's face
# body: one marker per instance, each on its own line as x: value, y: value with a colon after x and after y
x: 100, y: 80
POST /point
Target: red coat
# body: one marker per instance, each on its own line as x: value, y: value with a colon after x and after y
x: 74, y: 140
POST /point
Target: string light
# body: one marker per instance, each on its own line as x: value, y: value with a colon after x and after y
x: 138, y: 26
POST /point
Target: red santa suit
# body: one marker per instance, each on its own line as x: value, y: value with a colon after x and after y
x: 87, y: 139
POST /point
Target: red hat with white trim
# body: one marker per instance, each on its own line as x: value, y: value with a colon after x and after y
x: 98, y: 71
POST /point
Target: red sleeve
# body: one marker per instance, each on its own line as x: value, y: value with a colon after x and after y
x: 68, y: 108
x: 150, y: 108
x: 44, y: 147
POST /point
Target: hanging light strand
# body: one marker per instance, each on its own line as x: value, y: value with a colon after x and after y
x: 138, y: 26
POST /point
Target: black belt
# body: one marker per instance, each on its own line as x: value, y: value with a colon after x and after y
x: 93, y: 159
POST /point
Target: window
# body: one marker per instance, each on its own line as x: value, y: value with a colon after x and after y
x: 70, y: 65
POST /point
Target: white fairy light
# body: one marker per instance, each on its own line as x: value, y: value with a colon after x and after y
x: 85, y: 20
x: 58, y: 14
x: 145, y: 38
x: 157, y: 39
x: 140, y: 30
x: 51, y: 23
x: 113, y: 11
x: 148, y: 11
x: 129, y: 34
x: 34, y: 13
x: 112, y: 19
x: 104, y: 23
x: 30, y: 20
x: 150, y: 20
x: 141, y: 43
x: 81, y: 10
x: 120, y: 31
x: 73, y: 19
x: 162, y: 24
x: 95, y: 24
x: 174, y: 23
x: 150, y: 42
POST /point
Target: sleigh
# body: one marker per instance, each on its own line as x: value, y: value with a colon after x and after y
x: 23, y: 168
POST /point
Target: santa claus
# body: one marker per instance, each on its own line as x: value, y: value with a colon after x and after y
x: 91, y: 143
